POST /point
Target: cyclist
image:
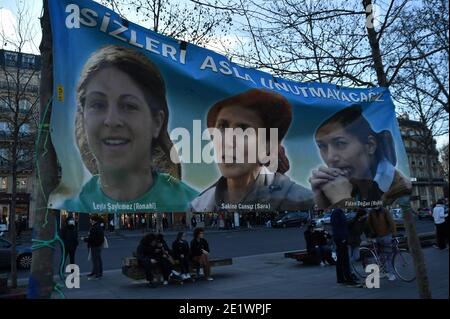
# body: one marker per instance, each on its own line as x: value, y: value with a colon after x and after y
x: 383, y: 227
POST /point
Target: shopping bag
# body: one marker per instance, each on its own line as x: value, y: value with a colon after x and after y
x: 105, y: 243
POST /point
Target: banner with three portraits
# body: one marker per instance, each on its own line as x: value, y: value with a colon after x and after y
x: 145, y: 123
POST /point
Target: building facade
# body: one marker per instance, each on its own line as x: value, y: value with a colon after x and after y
x: 425, y: 170
x: 19, y: 95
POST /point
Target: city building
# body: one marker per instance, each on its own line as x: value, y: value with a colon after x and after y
x: 425, y: 170
x: 19, y: 86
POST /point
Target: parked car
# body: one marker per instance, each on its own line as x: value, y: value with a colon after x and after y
x: 425, y: 213
x: 325, y: 219
x: 23, y: 255
x: 350, y: 215
x: 291, y: 219
x: 397, y: 215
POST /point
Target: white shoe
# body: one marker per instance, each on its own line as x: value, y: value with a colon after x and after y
x: 322, y: 264
x: 391, y: 277
x: 165, y: 282
x: 210, y: 278
x: 175, y: 273
x: 188, y: 276
x: 184, y: 276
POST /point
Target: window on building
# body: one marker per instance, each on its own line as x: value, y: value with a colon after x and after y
x: 24, y: 105
x: 4, y: 127
x: 4, y: 154
x: 22, y: 184
x: 11, y: 58
x: 28, y: 61
x: 3, y: 184
x: 23, y: 155
x: 3, y: 102
x: 24, y: 128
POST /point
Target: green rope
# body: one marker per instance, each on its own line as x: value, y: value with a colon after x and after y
x: 51, y: 244
x: 58, y: 288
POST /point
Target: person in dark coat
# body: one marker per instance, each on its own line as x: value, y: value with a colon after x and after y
x: 193, y: 222
x: 180, y: 251
x: 146, y: 256
x: 69, y: 236
x: 95, y: 242
x: 317, y: 246
x: 357, y: 226
x: 200, y: 251
x: 340, y: 237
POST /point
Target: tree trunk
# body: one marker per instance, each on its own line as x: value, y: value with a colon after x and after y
x: 413, y: 239
x: 12, y: 214
x: 415, y: 248
x: 41, y: 278
x: 374, y: 45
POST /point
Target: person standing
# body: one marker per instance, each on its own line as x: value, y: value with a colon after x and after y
x: 356, y: 228
x: 193, y: 222
x: 111, y: 224
x: 95, y: 242
x: 440, y: 224
x: 340, y: 237
x: 69, y: 236
x: 200, y: 251
x: 382, y: 225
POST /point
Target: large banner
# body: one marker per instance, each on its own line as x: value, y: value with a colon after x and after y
x: 145, y: 123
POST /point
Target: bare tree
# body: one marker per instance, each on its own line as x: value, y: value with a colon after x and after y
x: 183, y: 21
x: 19, y: 100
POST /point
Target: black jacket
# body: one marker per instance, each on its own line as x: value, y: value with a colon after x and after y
x: 197, y: 246
x: 145, y: 252
x: 69, y: 236
x: 316, y: 238
x: 180, y: 248
x: 96, y: 236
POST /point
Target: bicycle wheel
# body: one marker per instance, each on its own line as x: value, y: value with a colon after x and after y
x: 366, y: 257
x: 403, y: 265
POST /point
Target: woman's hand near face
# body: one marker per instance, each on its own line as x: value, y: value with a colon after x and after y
x: 338, y: 189
x: 321, y: 176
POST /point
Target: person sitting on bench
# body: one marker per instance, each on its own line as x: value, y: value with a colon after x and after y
x: 317, y: 246
x: 145, y: 255
x: 180, y: 250
x: 151, y: 253
x: 200, y: 252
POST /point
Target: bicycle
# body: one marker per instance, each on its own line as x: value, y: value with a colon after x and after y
x: 402, y: 261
